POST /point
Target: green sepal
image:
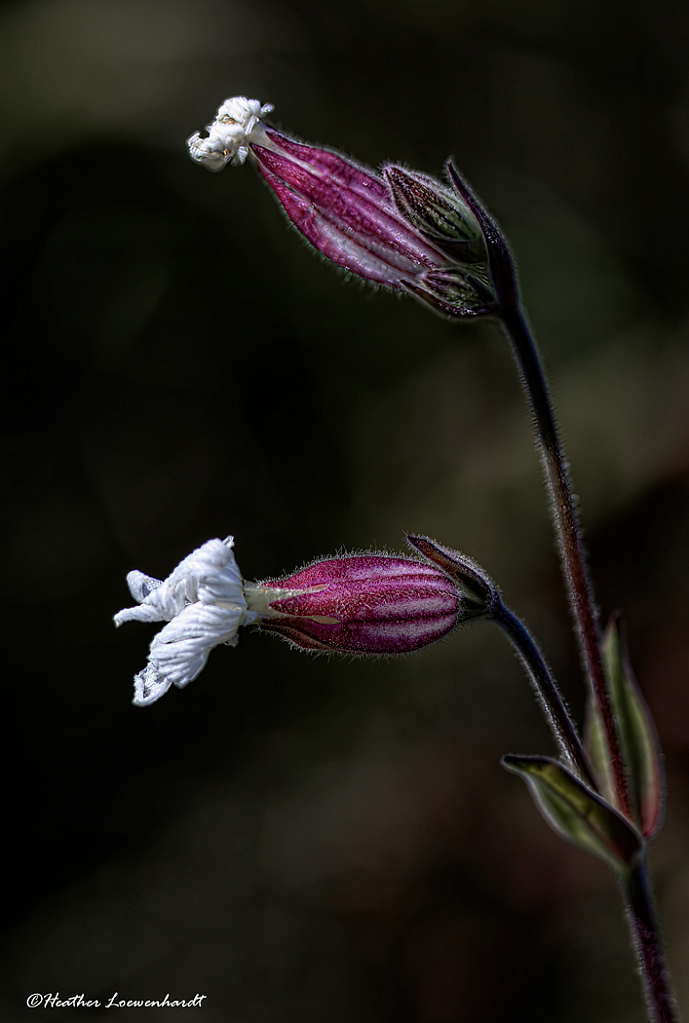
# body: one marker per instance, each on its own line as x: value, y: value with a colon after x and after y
x: 638, y: 738
x: 438, y: 211
x: 576, y: 813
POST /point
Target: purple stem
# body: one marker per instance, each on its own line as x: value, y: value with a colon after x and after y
x: 547, y: 691
x: 572, y: 555
x: 637, y: 892
x: 647, y: 944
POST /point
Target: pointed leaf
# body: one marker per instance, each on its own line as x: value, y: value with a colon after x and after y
x: 596, y: 746
x: 638, y: 737
x: 576, y: 813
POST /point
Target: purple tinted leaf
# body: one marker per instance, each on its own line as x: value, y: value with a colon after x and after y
x: 502, y: 268
x: 468, y: 574
x: 638, y: 736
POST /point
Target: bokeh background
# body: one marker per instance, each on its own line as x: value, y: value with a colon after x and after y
x: 308, y: 839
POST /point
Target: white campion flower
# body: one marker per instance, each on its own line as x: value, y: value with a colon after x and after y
x: 356, y: 604
x: 204, y: 604
x: 396, y: 227
x: 236, y: 124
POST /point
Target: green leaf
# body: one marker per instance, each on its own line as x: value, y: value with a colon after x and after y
x: 638, y: 738
x: 579, y: 815
x: 596, y: 746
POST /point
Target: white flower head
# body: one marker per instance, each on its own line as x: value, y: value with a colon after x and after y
x: 236, y: 124
x: 204, y: 604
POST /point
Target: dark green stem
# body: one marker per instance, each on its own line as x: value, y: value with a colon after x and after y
x: 646, y: 937
x: 572, y: 555
x: 548, y: 692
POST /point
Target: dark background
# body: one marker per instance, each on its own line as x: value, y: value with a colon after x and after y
x: 308, y: 839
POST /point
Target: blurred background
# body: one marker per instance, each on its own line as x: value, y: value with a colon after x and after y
x: 308, y: 839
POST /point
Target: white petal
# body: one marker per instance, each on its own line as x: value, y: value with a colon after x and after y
x: 180, y: 650
x: 236, y: 124
x: 204, y: 604
x: 209, y: 574
x: 149, y: 686
x: 211, y: 153
x: 141, y: 585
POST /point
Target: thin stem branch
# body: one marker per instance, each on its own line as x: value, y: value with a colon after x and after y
x: 548, y: 692
x: 572, y: 555
x: 646, y: 938
x: 635, y: 883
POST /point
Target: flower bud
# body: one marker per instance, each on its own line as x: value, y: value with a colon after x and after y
x: 400, y: 229
x: 360, y: 604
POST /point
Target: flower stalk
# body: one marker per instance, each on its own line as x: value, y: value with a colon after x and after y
x: 479, y: 586
x: 645, y: 932
x: 570, y: 545
x: 562, y: 502
x: 548, y: 692
x: 637, y: 895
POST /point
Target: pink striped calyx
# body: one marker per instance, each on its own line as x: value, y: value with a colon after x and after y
x: 361, y: 604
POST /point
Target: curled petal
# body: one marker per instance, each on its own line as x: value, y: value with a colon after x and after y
x: 141, y: 585
x: 149, y: 686
x: 180, y: 651
x: 228, y: 136
x: 209, y: 574
x: 204, y: 604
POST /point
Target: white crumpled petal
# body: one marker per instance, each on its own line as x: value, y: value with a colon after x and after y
x: 229, y: 135
x: 140, y: 585
x: 210, y: 574
x: 204, y: 604
x: 149, y: 686
x: 180, y: 650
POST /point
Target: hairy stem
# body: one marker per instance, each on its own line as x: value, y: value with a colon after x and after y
x: 572, y: 555
x: 646, y: 937
x: 548, y: 692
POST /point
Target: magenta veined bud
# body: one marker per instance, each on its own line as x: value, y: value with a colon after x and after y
x: 399, y: 229
x: 360, y: 604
